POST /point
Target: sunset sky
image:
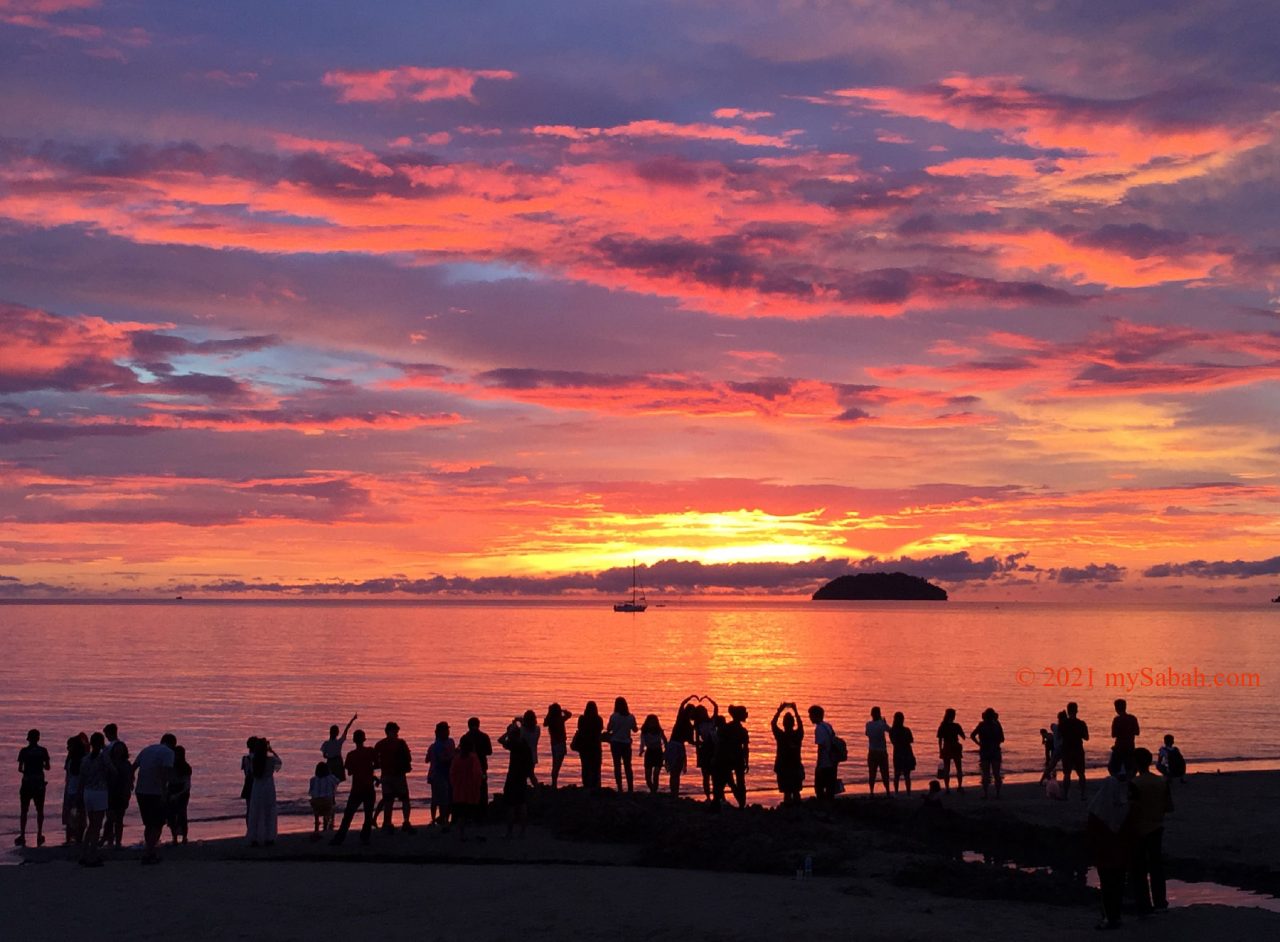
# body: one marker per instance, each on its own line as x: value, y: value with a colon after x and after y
x: 496, y: 297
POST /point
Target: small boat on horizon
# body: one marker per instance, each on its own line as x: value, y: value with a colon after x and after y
x: 637, y: 603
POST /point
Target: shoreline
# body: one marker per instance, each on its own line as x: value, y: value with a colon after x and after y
x: 866, y: 853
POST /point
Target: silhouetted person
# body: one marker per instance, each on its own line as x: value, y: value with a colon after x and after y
x: 120, y: 793
x: 1151, y: 800
x: 621, y: 725
x: 440, y: 755
x: 1170, y: 763
x: 1111, y: 841
x: 482, y: 746
x: 33, y: 762
x: 96, y: 771
x: 733, y: 745
x: 558, y: 738
x: 824, y: 773
x: 588, y: 741
x: 515, y: 792
x: 705, y: 730
x: 361, y: 766
x: 676, y: 757
x: 72, y: 792
x: 395, y: 761
x: 950, y: 750
x: 653, y: 746
x: 246, y: 769
x: 331, y: 749
x: 682, y: 730
x: 112, y: 734
x: 154, y: 766
x: 788, y: 766
x: 904, y: 754
x: 877, y: 750
x: 531, y: 732
x: 179, y: 796
x: 1051, y: 739
x: 989, y: 735
x: 322, y: 790
x: 262, y: 801
x: 1124, y: 730
x: 466, y: 786
x: 1073, y: 733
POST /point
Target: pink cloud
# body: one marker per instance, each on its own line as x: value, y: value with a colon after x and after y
x: 411, y: 83
x: 730, y: 114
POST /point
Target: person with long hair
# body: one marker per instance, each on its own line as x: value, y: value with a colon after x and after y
x: 705, y: 730
x: 96, y: 772
x: 788, y: 765
x: 515, y: 791
x: 73, y: 791
x: 120, y: 793
x: 262, y: 800
x: 653, y: 746
x: 904, y: 754
x: 558, y: 737
x: 587, y: 741
x: 179, y: 796
x: 532, y: 733
x: 950, y: 751
x: 621, y: 725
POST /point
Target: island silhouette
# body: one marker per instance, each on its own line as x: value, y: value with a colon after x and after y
x: 879, y: 587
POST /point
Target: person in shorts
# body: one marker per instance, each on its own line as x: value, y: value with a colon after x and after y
x: 322, y: 789
x: 154, y: 767
x: 33, y: 762
x: 395, y: 761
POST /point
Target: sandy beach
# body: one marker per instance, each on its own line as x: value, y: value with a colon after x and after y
x: 646, y: 868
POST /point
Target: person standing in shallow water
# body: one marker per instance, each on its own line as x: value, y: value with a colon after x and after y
x: 950, y: 750
x: 788, y: 766
x: 331, y: 749
x: 989, y: 735
x: 904, y: 755
x: 1125, y: 730
x: 877, y: 751
x: 558, y: 738
x: 588, y: 741
x: 621, y: 725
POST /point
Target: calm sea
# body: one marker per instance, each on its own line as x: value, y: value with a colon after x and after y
x: 217, y: 672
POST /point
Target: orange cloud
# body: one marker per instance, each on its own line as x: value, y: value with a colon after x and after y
x: 411, y: 83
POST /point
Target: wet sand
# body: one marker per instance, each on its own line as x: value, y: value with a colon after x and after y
x: 880, y: 872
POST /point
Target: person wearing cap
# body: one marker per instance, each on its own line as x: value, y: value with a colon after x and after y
x: 395, y: 761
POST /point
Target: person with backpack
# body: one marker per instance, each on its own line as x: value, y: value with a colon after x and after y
x: 1170, y: 762
x: 832, y: 750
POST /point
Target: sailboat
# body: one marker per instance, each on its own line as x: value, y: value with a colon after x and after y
x: 637, y: 603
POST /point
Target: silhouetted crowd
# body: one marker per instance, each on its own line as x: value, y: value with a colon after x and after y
x: 1125, y: 820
